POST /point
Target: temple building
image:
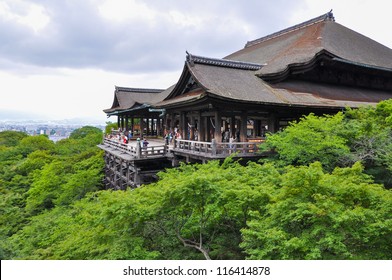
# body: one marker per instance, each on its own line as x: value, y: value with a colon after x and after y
x: 317, y: 66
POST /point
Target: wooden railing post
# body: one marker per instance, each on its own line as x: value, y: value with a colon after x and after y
x: 213, y: 147
x: 138, y: 149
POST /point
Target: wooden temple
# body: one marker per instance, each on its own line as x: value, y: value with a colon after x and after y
x: 317, y: 66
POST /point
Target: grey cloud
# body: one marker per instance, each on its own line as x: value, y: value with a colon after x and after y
x: 78, y: 37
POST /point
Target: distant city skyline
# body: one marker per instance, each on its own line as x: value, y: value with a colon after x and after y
x: 63, y: 59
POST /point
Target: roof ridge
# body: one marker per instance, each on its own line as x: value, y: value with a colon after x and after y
x: 325, y: 17
x: 222, y: 62
x: 147, y: 90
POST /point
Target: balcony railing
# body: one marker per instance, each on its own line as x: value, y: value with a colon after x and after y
x: 196, y: 148
x: 135, y: 150
x: 215, y: 149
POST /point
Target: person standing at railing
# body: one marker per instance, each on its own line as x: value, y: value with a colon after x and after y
x: 125, y: 139
x: 171, y: 136
x: 231, y: 143
x: 145, y: 143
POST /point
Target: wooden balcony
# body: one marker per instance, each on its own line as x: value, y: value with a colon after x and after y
x: 215, y: 150
x: 134, y: 150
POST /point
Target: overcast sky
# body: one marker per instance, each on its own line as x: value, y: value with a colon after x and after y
x: 62, y: 58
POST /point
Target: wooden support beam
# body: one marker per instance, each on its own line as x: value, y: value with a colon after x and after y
x: 218, y: 127
x: 244, y: 128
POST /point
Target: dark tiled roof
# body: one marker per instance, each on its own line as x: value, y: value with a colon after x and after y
x: 237, y: 76
x: 126, y: 98
x: 327, y: 16
x: 244, y: 86
x: 300, y: 44
x: 222, y: 62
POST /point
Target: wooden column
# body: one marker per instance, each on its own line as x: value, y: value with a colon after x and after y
x: 218, y: 125
x: 192, y: 128
x: 272, y: 123
x: 126, y: 123
x: 202, y: 128
x: 141, y: 127
x: 232, y: 126
x: 159, y: 127
x: 122, y: 123
x: 183, y: 125
x: 254, y: 134
x: 208, y: 128
x: 243, y: 129
x: 197, y: 127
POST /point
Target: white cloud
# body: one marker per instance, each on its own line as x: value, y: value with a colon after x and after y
x: 62, y: 58
x: 124, y: 10
x: 27, y: 14
x: 68, y: 93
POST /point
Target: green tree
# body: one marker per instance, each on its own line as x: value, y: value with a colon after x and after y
x: 110, y: 126
x: 313, y: 138
x: 205, y: 206
x: 317, y: 215
x: 11, y: 138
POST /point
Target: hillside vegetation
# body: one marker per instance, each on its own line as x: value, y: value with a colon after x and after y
x: 325, y: 194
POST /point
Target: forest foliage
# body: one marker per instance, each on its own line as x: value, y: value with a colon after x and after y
x: 324, y: 194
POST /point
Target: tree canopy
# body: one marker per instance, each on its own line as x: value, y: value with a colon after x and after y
x: 324, y: 194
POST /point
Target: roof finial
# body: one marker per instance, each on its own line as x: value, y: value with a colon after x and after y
x: 329, y: 16
x: 189, y: 58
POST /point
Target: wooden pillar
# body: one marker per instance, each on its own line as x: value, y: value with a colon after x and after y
x: 254, y: 134
x: 272, y: 123
x: 126, y: 123
x: 141, y: 127
x: 243, y: 129
x: 208, y: 129
x: 183, y: 125
x: 218, y: 126
x: 196, y: 129
x: 226, y: 125
x: 172, y: 122
x: 122, y: 123
x: 167, y: 123
x: 118, y: 121
x: 159, y: 127
x: 147, y: 126
x: 132, y: 124
x: 192, y: 128
x: 232, y: 126
x: 202, y: 128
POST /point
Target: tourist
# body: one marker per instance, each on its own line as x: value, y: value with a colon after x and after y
x: 231, y: 143
x: 145, y: 143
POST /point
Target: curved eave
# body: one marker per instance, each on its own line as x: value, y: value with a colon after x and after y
x: 133, y: 109
x: 335, y: 107
x: 295, y: 67
x: 362, y: 65
x: 182, y: 101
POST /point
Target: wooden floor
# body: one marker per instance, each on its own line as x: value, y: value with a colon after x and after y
x: 130, y: 165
